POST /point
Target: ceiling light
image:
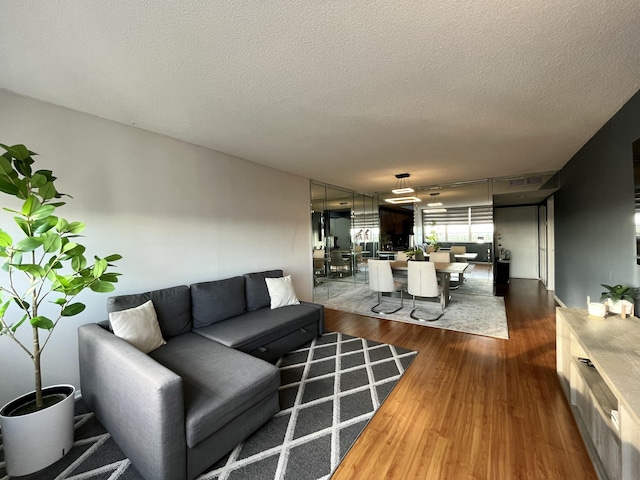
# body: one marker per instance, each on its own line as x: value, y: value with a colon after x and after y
x: 395, y: 200
x: 402, y: 185
x: 434, y: 200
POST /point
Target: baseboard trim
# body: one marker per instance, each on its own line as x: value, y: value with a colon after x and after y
x: 558, y: 301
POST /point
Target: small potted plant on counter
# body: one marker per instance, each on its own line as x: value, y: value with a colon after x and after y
x: 618, y: 299
x: 43, y: 273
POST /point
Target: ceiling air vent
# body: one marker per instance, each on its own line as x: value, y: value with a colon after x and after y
x: 534, y: 180
x: 521, y: 182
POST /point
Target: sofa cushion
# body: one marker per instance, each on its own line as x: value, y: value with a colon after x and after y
x: 218, y: 300
x: 219, y: 383
x: 172, y: 305
x: 255, y: 329
x: 138, y: 326
x: 256, y: 289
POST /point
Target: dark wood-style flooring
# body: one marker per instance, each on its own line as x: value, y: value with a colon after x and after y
x: 471, y: 407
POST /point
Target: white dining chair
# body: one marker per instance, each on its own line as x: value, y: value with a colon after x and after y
x: 423, y: 282
x: 381, y: 280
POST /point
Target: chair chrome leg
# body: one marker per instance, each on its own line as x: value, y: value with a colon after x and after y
x: 424, y: 319
x: 412, y: 314
x: 373, y: 309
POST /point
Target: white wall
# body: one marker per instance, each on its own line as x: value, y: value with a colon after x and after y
x: 177, y: 213
x: 517, y: 229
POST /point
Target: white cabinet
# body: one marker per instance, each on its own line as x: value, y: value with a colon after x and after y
x: 598, y: 364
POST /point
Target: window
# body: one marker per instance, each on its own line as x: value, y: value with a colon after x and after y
x: 466, y: 224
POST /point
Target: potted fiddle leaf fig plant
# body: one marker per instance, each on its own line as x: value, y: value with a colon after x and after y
x: 43, y: 271
x: 618, y: 297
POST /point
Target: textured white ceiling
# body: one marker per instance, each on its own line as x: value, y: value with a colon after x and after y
x: 345, y: 92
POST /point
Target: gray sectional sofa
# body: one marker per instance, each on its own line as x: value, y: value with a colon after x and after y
x: 177, y: 410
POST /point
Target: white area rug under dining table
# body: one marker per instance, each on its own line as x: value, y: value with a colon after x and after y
x: 476, y: 312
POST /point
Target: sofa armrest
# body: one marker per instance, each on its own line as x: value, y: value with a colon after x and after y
x: 320, y: 308
x: 139, y: 401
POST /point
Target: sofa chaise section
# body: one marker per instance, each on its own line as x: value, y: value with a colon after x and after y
x: 178, y: 409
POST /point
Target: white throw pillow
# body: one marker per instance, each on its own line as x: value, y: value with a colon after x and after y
x: 281, y: 292
x: 138, y: 326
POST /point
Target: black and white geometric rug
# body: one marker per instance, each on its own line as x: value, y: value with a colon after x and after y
x: 330, y: 390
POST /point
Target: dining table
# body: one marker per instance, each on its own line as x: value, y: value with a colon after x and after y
x: 443, y: 271
x: 460, y: 256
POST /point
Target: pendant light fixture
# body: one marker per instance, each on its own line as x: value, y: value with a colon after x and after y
x: 402, y: 187
x: 402, y: 184
x: 435, y: 200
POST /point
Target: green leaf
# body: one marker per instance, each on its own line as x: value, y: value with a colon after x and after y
x: 28, y: 244
x: 99, y: 268
x: 4, y: 308
x: 37, y: 180
x: 23, y: 188
x: 19, y: 152
x: 102, y: 287
x: 76, y: 227
x: 52, y: 242
x: 44, y: 225
x: 5, y: 165
x: 31, y: 204
x: 113, y: 258
x: 17, y: 325
x: 62, y: 225
x: 69, y: 246
x: 24, y: 225
x: 32, y: 269
x: 23, y: 165
x: 8, y: 187
x: 48, y: 174
x: 5, y: 239
x: 48, y: 191
x: 17, y: 258
x: 110, y: 277
x: 22, y: 304
x: 73, y: 252
x: 60, y: 301
x: 60, y: 284
x: 42, y: 322
x: 43, y: 212
x: 73, y: 309
x: 78, y: 263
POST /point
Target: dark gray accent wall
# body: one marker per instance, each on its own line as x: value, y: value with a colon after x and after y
x: 594, y: 212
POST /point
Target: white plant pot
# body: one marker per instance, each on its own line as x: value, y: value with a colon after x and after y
x: 36, y: 440
x: 616, y: 306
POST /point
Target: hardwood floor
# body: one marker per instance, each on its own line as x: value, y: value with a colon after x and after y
x: 471, y: 407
